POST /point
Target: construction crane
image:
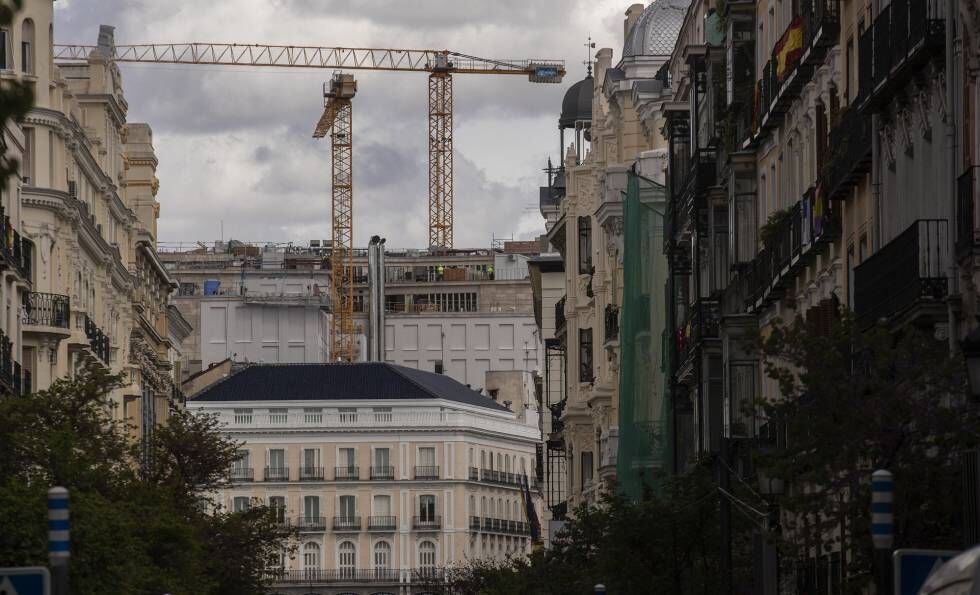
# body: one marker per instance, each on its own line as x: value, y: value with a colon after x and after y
x: 440, y: 64
x: 337, y: 115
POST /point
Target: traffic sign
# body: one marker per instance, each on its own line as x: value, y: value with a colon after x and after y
x: 29, y: 580
x: 913, y: 567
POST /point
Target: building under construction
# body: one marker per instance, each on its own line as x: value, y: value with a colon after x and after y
x: 460, y: 312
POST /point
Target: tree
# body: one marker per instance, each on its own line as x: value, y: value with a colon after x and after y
x: 132, y: 532
x: 664, y: 543
x: 855, y: 400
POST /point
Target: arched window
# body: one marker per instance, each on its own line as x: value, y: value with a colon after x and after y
x: 347, y: 559
x: 382, y: 559
x: 311, y: 557
x: 427, y: 558
x: 27, y: 46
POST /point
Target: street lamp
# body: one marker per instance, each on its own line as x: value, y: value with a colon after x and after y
x: 970, y: 345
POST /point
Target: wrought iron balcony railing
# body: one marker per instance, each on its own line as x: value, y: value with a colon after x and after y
x: 311, y: 473
x: 910, y: 269
x: 382, y: 523
x: 311, y: 523
x: 346, y: 523
x: 277, y: 473
x: 426, y: 472
x: 427, y: 523
x: 347, y: 473
x: 46, y: 309
x: 340, y: 575
x: 383, y: 473
x: 242, y: 474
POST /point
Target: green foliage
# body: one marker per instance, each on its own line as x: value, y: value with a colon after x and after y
x: 664, y: 543
x: 131, y: 532
x: 776, y: 220
x: 16, y: 97
x: 852, y: 402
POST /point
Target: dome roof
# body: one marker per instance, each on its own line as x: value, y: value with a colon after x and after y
x: 577, y: 105
x: 656, y: 30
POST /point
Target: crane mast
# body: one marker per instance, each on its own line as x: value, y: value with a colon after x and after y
x: 337, y: 116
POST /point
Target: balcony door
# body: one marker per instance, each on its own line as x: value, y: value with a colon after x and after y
x: 346, y: 460
x: 427, y: 508
x: 346, y: 510
x: 311, y: 462
x: 382, y: 460
x: 277, y: 504
x: 381, y: 506
x: 347, y: 560
x: 311, y: 508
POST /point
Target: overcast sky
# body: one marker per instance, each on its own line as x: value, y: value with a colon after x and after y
x: 235, y: 144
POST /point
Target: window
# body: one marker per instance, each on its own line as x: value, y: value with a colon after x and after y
x: 4, y: 40
x: 584, y: 245
x: 311, y: 556
x: 243, y: 416
x: 346, y: 510
x: 346, y: 460
x: 311, y: 508
x: 312, y: 415
x: 347, y: 559
x: 427, y: 456
x: 241, y: 468
x: 585, y: 373
x: 277, y: 504
x: 348, y: 415
x: 310, y: 467
x: 427, y: 558
x: 586, y: 469
x: 438, y: 366
x: 277, y: 465
x: 382, y: 464
x: 427, y: 508
x: 382, y: 414
x: 382, y: 558
x: 27, y: 47
x: 27, y: 168
x: 278, y: 416
x: 240, y: 504
x: 381, y: 506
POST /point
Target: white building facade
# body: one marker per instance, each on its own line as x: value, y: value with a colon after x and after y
x: 389, y: 474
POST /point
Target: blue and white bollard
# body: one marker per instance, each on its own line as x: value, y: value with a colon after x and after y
x: 600, y: 589
x: 59, y: 544
x: 882, y: 519
x: 883, y: 527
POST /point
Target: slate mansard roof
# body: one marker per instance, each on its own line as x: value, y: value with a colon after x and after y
x: 340, y: 382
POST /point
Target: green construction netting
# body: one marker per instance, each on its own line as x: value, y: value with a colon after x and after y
x: 644, y: 411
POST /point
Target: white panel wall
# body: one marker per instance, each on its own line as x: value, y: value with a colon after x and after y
x: 468, y: 345
x: 266, y: 333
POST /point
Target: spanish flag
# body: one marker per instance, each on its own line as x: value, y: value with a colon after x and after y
x: 788, y: 49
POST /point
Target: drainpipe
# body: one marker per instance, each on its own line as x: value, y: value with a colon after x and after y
x: 951, y: 117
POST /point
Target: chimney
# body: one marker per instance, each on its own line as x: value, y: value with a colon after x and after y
x: 632, y: 14
x: 107, y: 40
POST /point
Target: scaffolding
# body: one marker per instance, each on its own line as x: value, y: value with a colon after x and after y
x: 644, y: 413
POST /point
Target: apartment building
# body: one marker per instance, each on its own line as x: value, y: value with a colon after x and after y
x: 462, y: 313
x: 83, y: 282
x: 615, y: 124
x: 389, y: 474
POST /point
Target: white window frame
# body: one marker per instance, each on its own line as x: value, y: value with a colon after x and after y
x: 342, y: 568
x: 310, y: 552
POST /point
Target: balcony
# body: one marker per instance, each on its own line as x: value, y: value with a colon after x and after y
x: 560, y: 321
x: 967, y: 227
x: 474, y: 523
x: 348, y: 473
x: 426, y: 472
x: 850, y: 157
x: 242, y: 474
x: 311, y: 473
x: 49, y: 311
x: 311, y: 523
x: 277, y: 473
x: 474, y: 474
x: 611, y: 323
x: 383, y: 473
x: 311, y: 576
x: 702, y: 323
x: 346, y: 523
x: 909, y: 271
x: 427, y: 523
x: 902, y: 38
x: 98, y: 341
x: 382, y: 523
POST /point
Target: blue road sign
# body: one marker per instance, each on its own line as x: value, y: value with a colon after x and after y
x: 28, y: 580
x: 913, y: 567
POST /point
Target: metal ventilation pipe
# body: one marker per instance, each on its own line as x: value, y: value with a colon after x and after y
x: 376, y: 298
